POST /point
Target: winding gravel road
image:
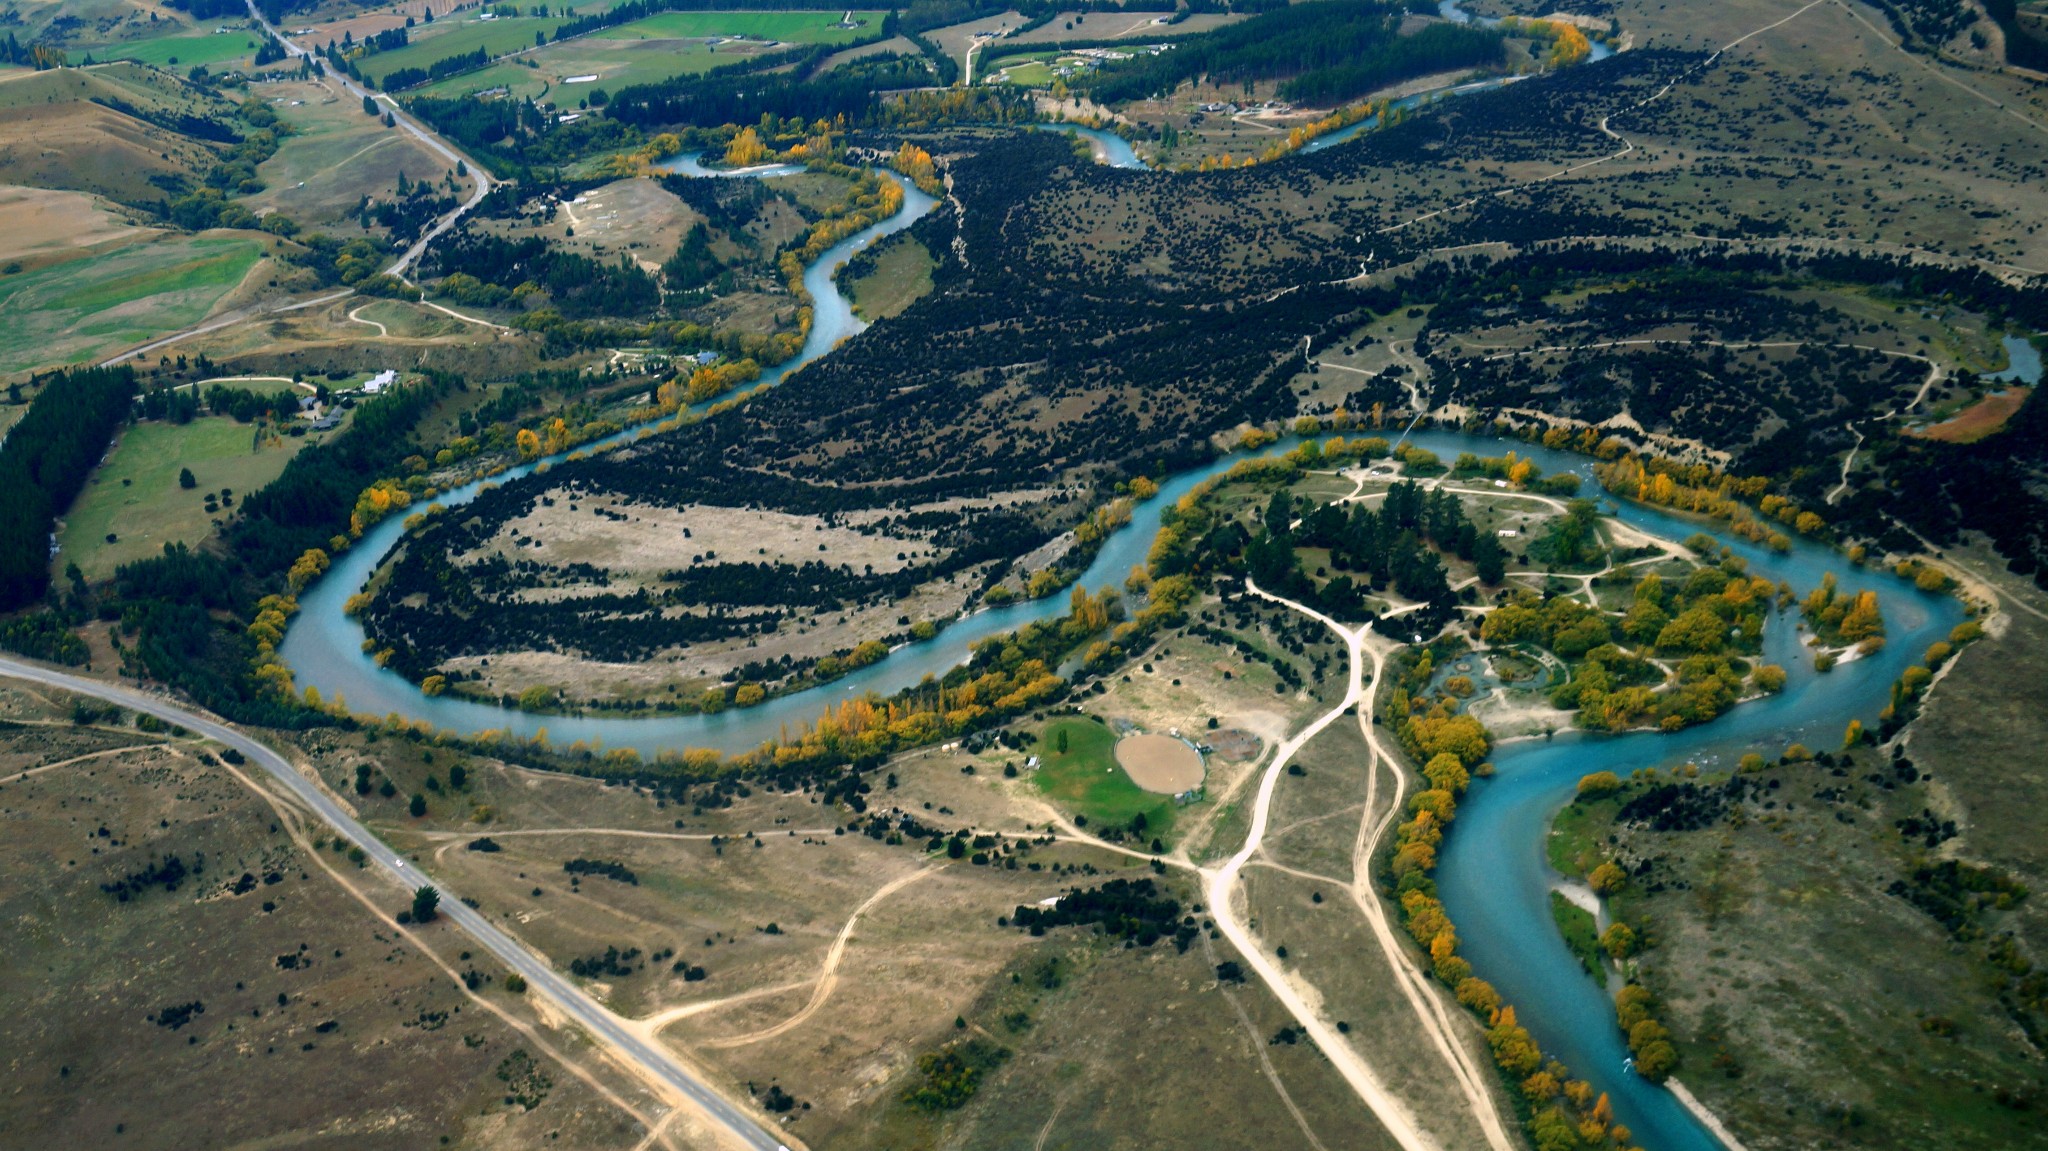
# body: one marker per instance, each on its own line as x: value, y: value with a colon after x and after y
x: 607, y: 1028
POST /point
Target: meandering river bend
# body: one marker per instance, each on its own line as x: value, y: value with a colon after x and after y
x: 1493, y: 876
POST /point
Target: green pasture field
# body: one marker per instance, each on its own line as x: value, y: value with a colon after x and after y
x: 186, y: 47
x: 1581, y: 934
x: 136, y: 497
x: 447, y: 38
x: 339, y: 156
x: 71, y: 311
x: 1026, y: 69
x: 644, y: 52
x: 788, y: 27
x: 615, y: 63
x: 1036, y: 74
x: 1086, y: 779
x: 902, y: 275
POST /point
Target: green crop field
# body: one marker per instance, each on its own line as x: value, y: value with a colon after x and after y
x: 71, y: 311
x: 447, y: 38
x: 135, y: 496
x: 185, y: 48
x: 645, y: 51
x: 788, y: 27
x: 615, y: 63
x: 1085, y: 778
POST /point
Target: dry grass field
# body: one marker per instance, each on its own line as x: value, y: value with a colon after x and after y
x: 275, y: 1009
x: 1986, y: 417
x: 1095, y: 1023
x: 53, y: 136
x: 47, y: 226
x: 335, y: 157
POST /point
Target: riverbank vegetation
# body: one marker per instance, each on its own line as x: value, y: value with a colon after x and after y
x: 1858, y: 823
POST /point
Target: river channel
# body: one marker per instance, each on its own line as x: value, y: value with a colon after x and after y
x: 1493, y: 876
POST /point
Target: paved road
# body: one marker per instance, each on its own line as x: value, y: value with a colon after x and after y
x: 424, y: 134
x: 540, y: 977
x: 398, y: 267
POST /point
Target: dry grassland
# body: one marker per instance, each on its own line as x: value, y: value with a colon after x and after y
x: 1984, y: 418
x: 53, y: 136
x: 335, y: 157
x: 45, y: 225
x: 326, y: 1050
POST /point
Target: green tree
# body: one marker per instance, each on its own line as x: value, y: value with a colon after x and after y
x: 1490, y: 559
x: 426, y: 903
x: 369, y: 106
x: 1695, y: 629
x: 186, y: 480
x: 1572, y: 539
x: 418, y: 807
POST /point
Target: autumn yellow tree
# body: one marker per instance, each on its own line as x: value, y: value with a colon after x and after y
x: 307, y: 568
x: 746, y: 149
x: 1607, y: 878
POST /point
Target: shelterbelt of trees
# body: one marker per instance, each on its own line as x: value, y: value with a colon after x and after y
x: 43, y: 464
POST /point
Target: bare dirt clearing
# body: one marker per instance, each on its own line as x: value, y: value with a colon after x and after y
x: 638, y: 216
x: 1160, y: 763
x: 1983, y: 418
